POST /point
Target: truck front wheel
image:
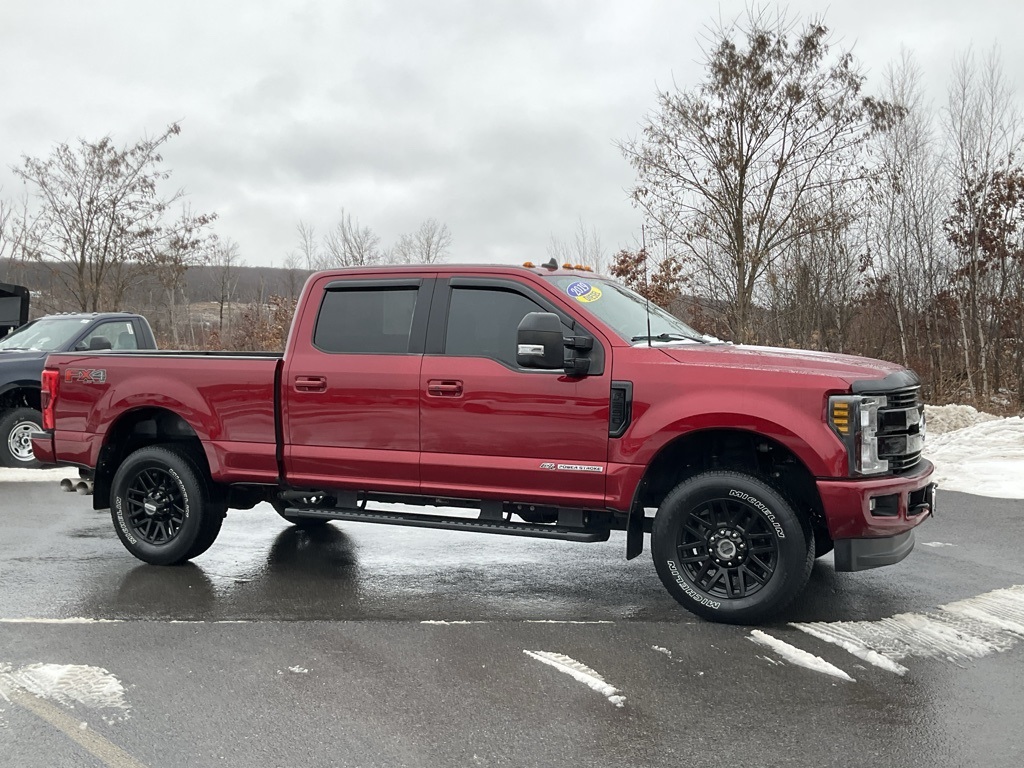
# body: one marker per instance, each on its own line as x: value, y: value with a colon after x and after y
x: 16, y: 428
x: 730, y: 547
x: 161, y: 507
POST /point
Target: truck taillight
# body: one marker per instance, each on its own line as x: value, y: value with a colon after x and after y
x: 50, y: 382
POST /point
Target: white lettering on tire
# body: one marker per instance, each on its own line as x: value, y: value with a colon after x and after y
x: 121, y: 522
x: 690, y: 591
x: 181, y: 487
x: 761, y: 506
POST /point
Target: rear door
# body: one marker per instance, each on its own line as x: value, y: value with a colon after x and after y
x: 490, y: 429
x: 350, y: 389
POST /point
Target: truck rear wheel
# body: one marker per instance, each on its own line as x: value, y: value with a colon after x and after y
x: 16, y: 428
x: 730, y: 548
x: 162, y: 508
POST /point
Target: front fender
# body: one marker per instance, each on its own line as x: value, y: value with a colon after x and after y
x: 800, y: 429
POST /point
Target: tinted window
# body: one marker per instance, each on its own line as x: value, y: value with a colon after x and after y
x: 483, y: 322
x: 370, y: 321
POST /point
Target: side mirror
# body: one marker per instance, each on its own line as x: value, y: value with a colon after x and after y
x: 539, y: 342
x: 99, y: 342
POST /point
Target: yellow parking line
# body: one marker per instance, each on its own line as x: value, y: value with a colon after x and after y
x: 109, y: 754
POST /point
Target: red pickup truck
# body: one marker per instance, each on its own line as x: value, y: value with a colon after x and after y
x: 553, y: 402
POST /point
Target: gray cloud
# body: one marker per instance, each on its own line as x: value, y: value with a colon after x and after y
x: 498, y: 118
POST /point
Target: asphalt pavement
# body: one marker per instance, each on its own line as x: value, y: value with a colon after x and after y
x: 365, y: 645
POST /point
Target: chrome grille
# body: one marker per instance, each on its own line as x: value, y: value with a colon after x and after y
x: 900, y: 439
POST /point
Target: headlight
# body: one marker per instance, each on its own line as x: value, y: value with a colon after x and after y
x: 855, y: 419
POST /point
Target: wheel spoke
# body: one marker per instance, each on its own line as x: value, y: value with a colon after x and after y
x: 718, y: 575
x: 698, y: 558
x: 754, y: 576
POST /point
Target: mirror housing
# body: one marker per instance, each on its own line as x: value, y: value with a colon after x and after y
x: 540, y: 344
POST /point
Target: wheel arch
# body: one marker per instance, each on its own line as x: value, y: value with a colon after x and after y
x: 138, y: 428
x: 737, y: 450
x: 20, y: 394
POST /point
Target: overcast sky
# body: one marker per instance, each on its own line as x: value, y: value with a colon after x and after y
x: 497, y: 118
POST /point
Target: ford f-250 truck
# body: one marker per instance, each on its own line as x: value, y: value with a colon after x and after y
x: 556, y: 403
x: 23, y: 353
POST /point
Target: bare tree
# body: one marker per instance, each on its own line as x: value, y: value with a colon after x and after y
x: 427, y: 245
x: 100, y: 213
x: 584, y: 248
x: 350, y: 244
x: 983, y: 133
x: 309, y: 251
x: 725, y: 169
x: 226, y: 261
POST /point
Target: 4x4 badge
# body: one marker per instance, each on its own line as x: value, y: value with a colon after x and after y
x: 86, y: 375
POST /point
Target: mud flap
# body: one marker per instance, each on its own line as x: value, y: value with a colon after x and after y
x: 635, y: 532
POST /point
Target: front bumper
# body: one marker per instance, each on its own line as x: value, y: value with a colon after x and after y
x: 862, y: 554
x: 871, y: 519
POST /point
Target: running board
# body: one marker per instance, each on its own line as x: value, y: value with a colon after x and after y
x: 474, y: 525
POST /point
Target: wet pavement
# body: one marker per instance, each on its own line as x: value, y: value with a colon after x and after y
x: 363, y: 645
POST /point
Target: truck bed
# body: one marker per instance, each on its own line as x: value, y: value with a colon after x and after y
x: 226, y: 398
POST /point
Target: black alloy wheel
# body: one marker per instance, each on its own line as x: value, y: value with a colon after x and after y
x: 155, y: 506
x: 731, y: 548
x: 727, y: 548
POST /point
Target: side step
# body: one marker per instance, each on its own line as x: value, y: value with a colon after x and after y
x: 414, y: 520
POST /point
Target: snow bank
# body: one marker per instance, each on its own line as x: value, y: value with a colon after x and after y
x: 985, y: 456
x: 54, y: 476
x: 947, y: 418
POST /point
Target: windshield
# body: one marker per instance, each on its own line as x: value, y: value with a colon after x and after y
x: 626, y: 312
x: 44, y: 335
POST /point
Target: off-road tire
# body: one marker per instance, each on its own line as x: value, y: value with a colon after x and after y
x: 730, y: 547
x: 15, y: 427
x: 162, y: 507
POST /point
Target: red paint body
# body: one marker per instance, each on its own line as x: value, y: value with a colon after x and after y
x: 471, y: 427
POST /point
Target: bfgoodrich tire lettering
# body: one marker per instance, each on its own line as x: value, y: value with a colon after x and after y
x: 161, y: 506
x: 729, y: 547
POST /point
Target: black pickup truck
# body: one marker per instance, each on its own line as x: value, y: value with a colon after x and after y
x: 23, y: 354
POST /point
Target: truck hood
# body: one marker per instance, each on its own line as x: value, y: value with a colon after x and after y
x: 21, y: 354
x: 849, y: 368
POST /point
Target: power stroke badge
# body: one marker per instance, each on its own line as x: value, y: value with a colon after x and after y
x: 572, y: 467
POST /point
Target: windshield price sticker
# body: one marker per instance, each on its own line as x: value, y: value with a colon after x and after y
x: 583, y: 291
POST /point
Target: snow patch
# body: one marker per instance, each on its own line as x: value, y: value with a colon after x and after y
x: 967, y: 629
x: 949, y: 418
x: 984, y: 458
x: 581, y: 672
x: 798, y: 656
x: 298, y: 670
x: 69, y: 620
x: 936, y: 544
x: 68, y: 684
x: 13, y: 475
x: 659, y: 649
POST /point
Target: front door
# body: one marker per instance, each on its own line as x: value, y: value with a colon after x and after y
x: 489, y: 429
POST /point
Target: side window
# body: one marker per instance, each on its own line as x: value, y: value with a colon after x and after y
x: 482, y: 322
x: 366, y: 321
x: 113, y: 335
